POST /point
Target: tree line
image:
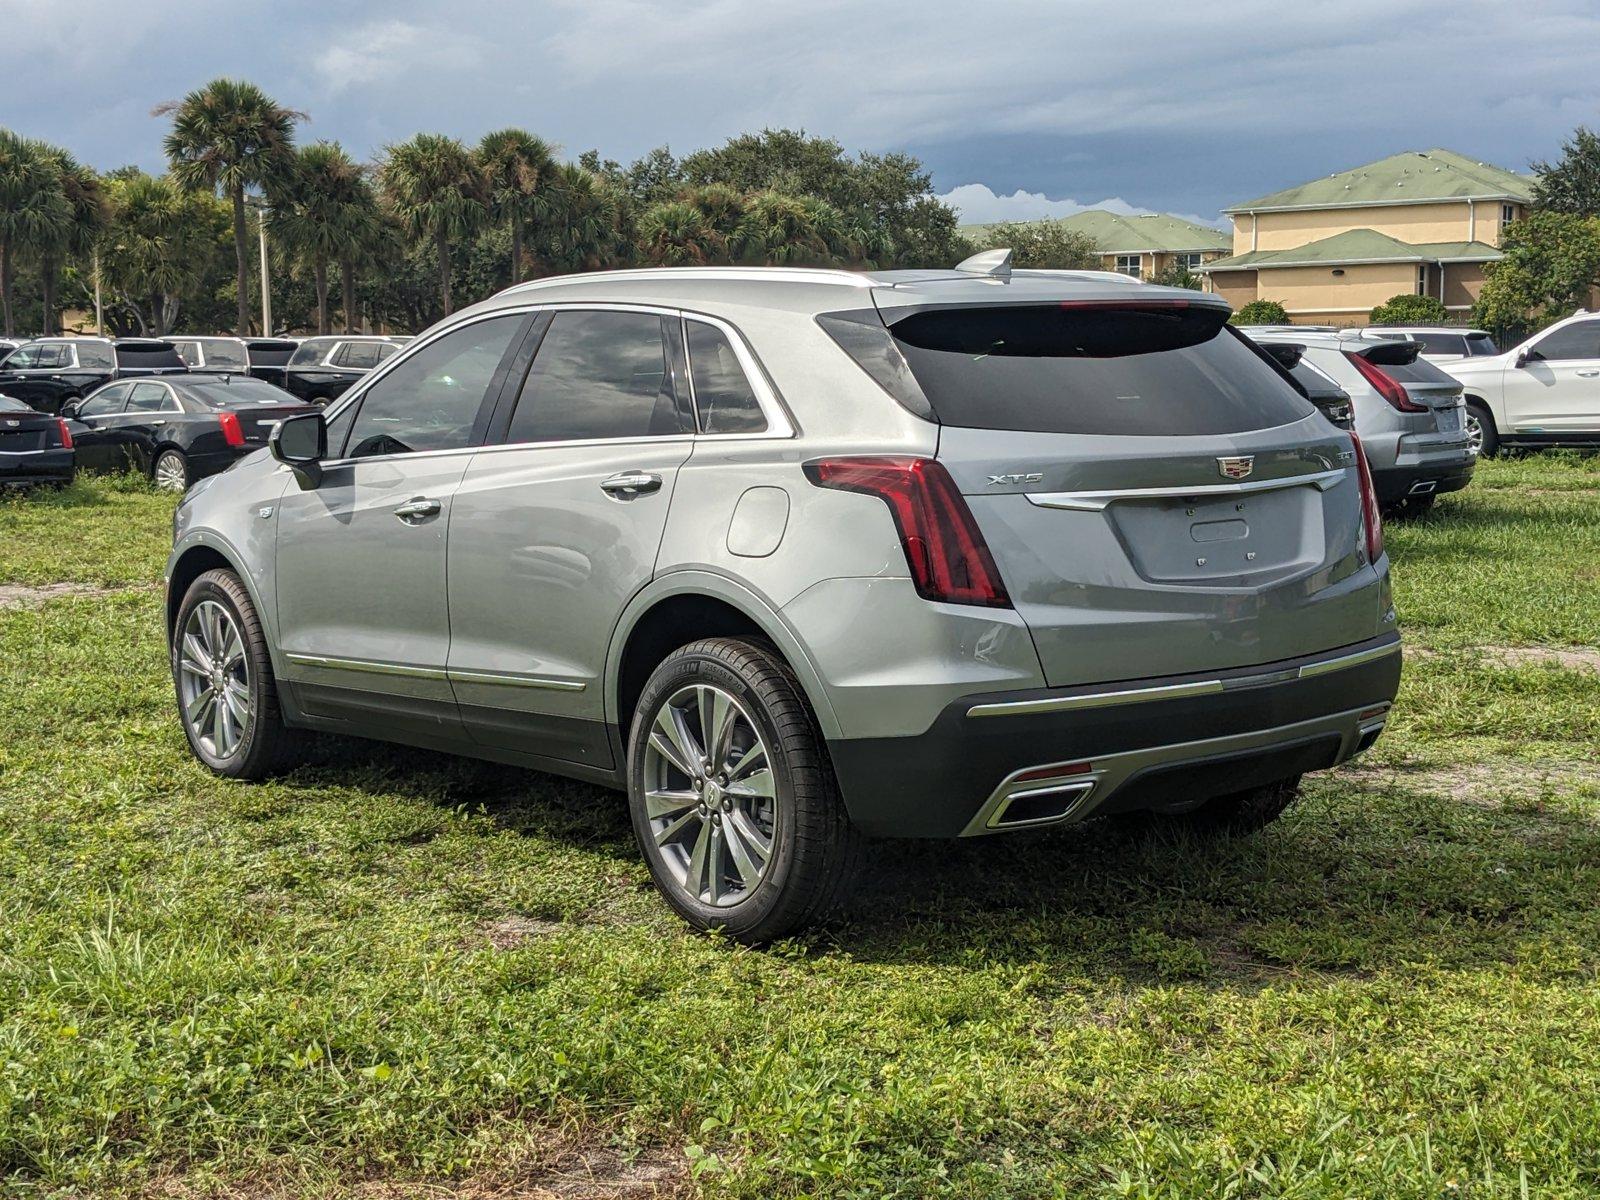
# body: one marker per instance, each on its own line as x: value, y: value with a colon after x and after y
x: 399, y: 242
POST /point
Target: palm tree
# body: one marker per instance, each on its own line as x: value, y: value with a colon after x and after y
x: 366, y: 237
x: 677, y: 234
x: 159, y: 242
x: 319, y: 210
x: 784, y: 229
x: 585, y: 231
x: 230, y: 136
x: 434, y: 188
x: 33, y: 209
x: 517, y: 169
x: 87, y: 205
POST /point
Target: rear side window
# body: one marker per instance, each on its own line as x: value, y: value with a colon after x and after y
x: 1108, y: 369
x: 54, y: 354
x: 149, y: 397
x: 358, y: 356
x: 599, y: 375
x: 96, y: 356
x: 723, y: 397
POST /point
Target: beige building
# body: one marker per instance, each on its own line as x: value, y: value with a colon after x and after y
x: 1141, y: 246
x: 1333, y: 249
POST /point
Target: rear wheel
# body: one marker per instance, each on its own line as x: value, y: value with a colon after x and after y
x: 732, y: 796
x: 227, y: 694
x: 170, y: 471
x: 1481, y: 433
x: 1241, y: 812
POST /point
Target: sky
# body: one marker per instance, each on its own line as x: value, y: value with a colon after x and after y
x: 1020, y: 108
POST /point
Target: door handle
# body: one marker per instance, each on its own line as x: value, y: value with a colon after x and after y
x: 635, y: 482
x: 159, y: 422
x: 414, y: 510
x: 1589, y: 374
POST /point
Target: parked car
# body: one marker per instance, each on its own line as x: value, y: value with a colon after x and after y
x: 269, y: 357
x: 7, y: 345
x: 177, y: 430
x: 34, y: 448
x: 1408, y: 412
x: 323, y: 367
x: 1440, y: 343
x: 48, y: 373
x: 1331, y: 399
x: 1543, y: 392
x: 798, y: 556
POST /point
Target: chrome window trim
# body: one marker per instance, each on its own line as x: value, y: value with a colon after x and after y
x: 1198, y: 687
x: 1097, y: 501
x: 779, y: 425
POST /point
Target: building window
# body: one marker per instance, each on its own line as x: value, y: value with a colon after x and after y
x: 1508, y: 214
x: 1128, y: 264
x: 1189, y: 262
x: 1422, y: 279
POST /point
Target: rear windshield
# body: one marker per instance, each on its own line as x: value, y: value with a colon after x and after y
x: 271, y: 354
x: 1107, y: 369
x: 240, y: 393
x: 1442, y: 343
x: 223, y: 354
x: 148, y: 356
x: 1420, y: 371
x: 1317, y: 385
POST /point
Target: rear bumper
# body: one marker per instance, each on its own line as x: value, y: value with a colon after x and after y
x: 1431, y: 477
x: 27, y: 467
x: 1004, y: 760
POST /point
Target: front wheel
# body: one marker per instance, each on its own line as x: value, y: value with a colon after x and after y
x: 227, y: 694
x: 170, y: 471
x: 732, y: 795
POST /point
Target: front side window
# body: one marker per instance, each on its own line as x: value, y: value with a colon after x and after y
x: 54, y: 355
x: 431, y: 401
x: 723, y: 397
x: 106, y: 402
x: 148, y: 397
x: 1581, y: 339
x: 23, y: 358
x: 599, y: 375
x: 1128, y: 264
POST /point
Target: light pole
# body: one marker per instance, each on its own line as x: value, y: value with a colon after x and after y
x: 266, y: 287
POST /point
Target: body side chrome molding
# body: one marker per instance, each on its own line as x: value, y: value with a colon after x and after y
x: 1198, y: 687
x: 1097, y: 501
x: 368, y: 666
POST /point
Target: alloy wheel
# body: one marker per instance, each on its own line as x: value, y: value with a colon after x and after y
x: 710, y: 797
x: 1475, y: 432
x: 214, y: 679
x: 171, y: 474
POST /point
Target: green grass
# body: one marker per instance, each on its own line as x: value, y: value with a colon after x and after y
x: 391, y: 967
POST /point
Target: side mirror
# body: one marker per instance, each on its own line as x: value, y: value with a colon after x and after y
x: 1521, y: 360
x: 301, y: 443
x: 70, y: 409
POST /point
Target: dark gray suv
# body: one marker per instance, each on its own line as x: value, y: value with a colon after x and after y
x: 799, y: 556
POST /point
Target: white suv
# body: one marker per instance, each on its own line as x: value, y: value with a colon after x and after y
x: 1545, y: 392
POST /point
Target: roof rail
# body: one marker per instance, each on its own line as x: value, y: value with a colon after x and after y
x: 768, y: 274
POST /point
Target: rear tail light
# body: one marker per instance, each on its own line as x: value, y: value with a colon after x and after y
x: 231, y: 432
x: 1371, y: 514
x: 66, y: 433
x: 943, y: 546
x: 1386, y: 385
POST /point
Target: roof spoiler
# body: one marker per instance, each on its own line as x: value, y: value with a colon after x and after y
x: 1388, y: 353
x: 994, y: 263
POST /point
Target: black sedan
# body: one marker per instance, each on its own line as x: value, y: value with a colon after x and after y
x: 177, y: 429
x: 34, y: 447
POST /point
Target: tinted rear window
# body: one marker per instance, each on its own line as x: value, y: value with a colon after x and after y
x: 148, y: 357
x: 1442, y: 343
x: 240, y: 393
x: 1112, y: 369
x: 1421, y: 371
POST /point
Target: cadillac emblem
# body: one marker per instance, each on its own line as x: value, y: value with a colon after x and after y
x: 1237, y: 467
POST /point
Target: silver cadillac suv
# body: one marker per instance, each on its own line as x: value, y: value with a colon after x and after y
x: 797, y: 557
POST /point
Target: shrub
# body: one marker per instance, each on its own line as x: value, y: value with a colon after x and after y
x: 1411, y: 309
x: 1261, y: 312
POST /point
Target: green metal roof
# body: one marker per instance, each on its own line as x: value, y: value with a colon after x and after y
x: 1114, y: 233
x: 1416, y: 176
x: 1357, y: 246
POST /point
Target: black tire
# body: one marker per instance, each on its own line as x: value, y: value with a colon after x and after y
x: 1243, y: 812
x: 267, y: 744
x: 815, y: 850
x: 1479, y: 412
x: 177, y: 463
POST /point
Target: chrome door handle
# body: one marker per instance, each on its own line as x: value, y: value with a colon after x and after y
x: 1589, y: 374
x: 637, y: 482
x: 415, y: 510
x: 159, y: 422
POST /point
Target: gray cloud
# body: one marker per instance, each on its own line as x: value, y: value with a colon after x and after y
x: 1168, y: 106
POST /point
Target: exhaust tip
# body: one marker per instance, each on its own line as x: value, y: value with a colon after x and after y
x: 1040, y: 806
x: 1423, y: 487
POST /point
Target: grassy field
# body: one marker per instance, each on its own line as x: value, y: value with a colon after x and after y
x: 393, y: 974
